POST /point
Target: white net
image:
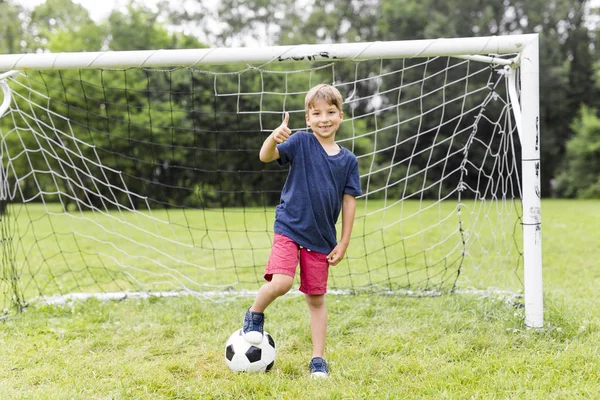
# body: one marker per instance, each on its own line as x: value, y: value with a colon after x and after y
x: 148, y: 180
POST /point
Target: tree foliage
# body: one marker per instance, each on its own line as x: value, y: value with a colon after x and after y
x: 164, y: 126
x: 567, y: 42
x: 580, y: 176
x: 11, y: 28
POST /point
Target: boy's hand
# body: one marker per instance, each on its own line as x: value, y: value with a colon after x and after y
x: 337, y: 254
x: 282, y: 132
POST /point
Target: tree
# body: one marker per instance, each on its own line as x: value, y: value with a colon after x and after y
x: 137, y: 29
x: 567, y: 56
x: 567, y: 71
x: 130, y: 119
x: 11, y: 28
x: 62, y: 25
x: 580, y: 176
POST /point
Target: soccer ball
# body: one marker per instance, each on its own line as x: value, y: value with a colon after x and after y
x: 243, y: 356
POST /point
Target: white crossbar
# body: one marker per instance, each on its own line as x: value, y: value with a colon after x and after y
x: 249, y: 55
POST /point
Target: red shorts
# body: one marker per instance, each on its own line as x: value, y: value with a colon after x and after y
x: 314, y: 268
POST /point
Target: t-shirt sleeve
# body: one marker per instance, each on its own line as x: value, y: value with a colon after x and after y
x: 353, y: 180
x: 287, y: 149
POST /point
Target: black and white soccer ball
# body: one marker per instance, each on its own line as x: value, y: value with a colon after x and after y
x: 243, y: 356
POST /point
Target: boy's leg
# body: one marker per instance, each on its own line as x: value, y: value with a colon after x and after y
x: 280, y: 284
x: 314, y: 272
x: 318, y: 322
x: 318, y: 367
x: 254, y: 319
x: 280, y: 272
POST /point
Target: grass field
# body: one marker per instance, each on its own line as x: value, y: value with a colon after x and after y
x: 413, y: 245
x: 453, y: 346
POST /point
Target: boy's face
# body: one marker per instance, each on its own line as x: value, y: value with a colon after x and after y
x: 324, y: 119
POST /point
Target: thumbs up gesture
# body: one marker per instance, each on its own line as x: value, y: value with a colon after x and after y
x: 282, y: 132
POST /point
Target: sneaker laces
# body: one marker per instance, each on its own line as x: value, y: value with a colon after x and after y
x: 318, y: 364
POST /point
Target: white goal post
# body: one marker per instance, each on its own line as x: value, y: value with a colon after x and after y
x: 26, y: 108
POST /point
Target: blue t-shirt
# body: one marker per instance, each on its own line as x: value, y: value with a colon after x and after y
x: 311, y: 198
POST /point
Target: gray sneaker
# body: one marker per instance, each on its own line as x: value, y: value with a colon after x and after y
x: 318, y: 368
x: 253, y: 326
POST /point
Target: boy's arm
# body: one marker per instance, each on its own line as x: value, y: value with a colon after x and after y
x: 348, y: 212
x: 269, y: 151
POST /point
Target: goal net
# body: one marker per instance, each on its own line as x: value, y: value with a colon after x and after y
x: 138, y: 172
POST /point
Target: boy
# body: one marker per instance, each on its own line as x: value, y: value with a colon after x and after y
x: 323, y: 178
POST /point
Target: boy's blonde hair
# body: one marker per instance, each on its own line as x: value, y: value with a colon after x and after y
x: 323, y: 92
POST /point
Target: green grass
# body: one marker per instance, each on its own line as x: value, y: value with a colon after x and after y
x: 453, y: 346
x: 412, y: 244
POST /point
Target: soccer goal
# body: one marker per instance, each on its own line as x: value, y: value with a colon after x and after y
x: 137, y: 172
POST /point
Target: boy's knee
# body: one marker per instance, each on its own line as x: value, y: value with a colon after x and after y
x: 315, y: 301
x: 281, y: 284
